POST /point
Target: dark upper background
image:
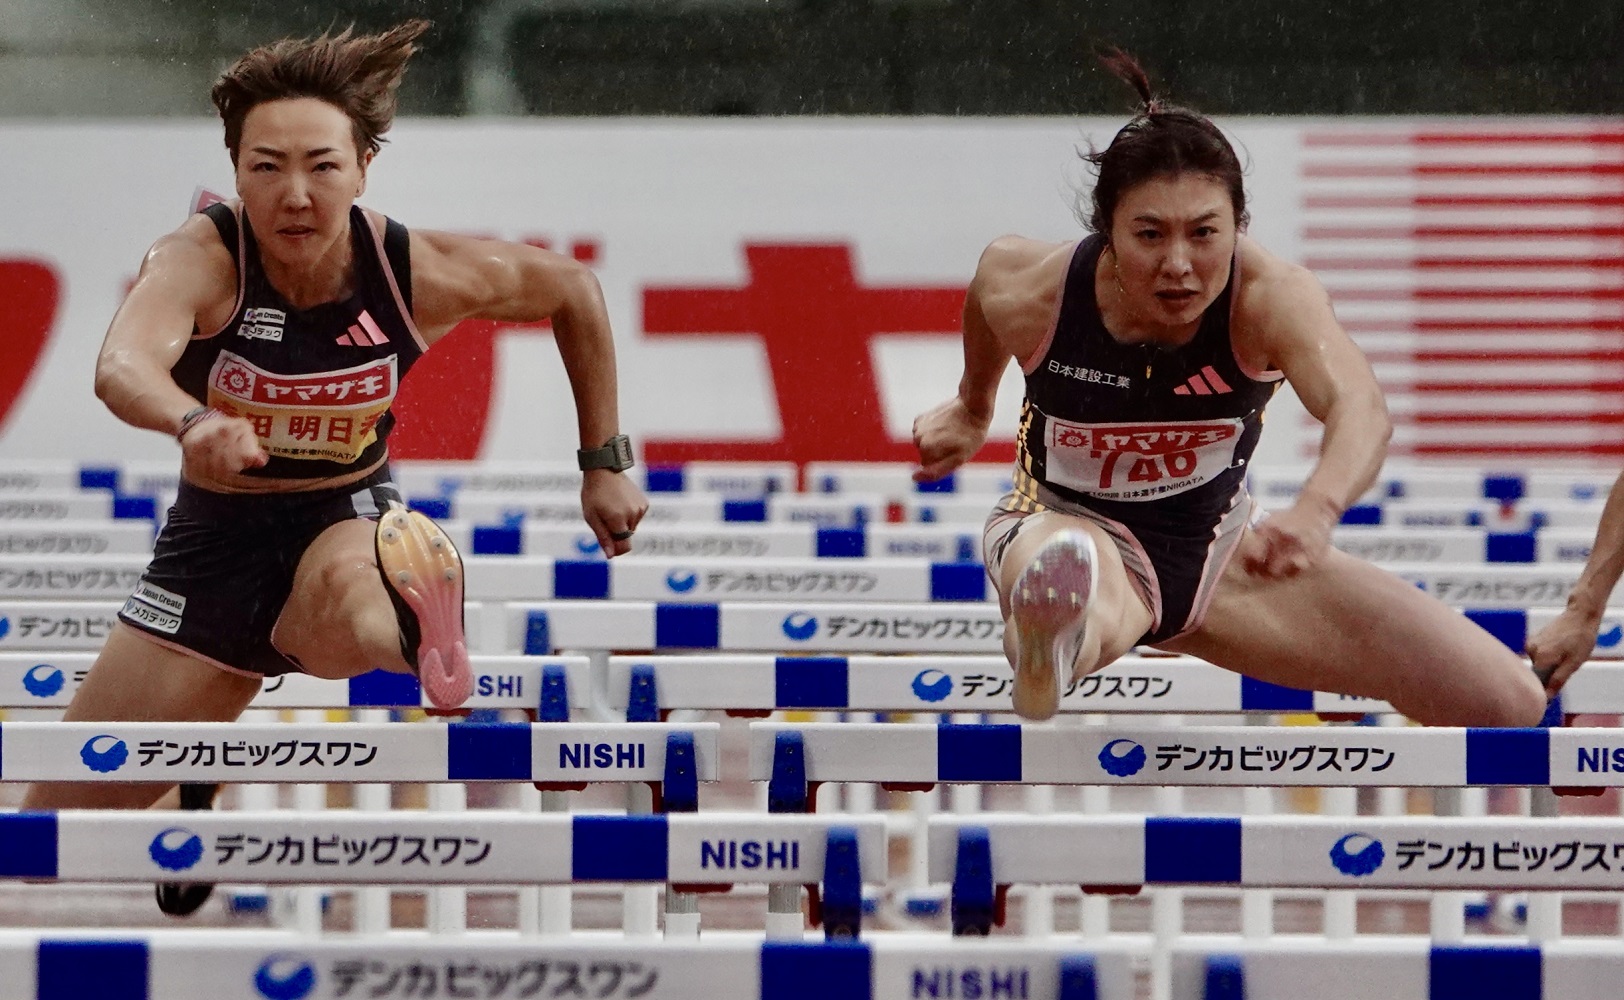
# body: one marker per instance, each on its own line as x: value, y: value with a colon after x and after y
x: 863, y: 57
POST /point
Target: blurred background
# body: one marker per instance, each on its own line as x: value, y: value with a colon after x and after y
x: 848, y: 57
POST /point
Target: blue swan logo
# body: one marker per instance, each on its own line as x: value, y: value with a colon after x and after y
x: 1610, y: 637
x: 104, y: 761
x: 5, y: 626
x: 681, y: 581
x: 1361, y: 862
x: 586, y: 545
x: 185, y: 854
x: 932, y: 685
x: 43, y: 680
x: 1122, y: 763
x: 799, y: 626
x: 285, y: 977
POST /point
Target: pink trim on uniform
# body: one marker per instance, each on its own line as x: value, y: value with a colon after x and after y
x: 242, y: 284
x: 1225, y: 544
x: 194, y: 654
x: 1030, y: 364
x: 394, y: 286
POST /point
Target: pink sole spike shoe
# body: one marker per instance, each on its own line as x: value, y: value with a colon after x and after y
x: 422, y: 574
x: 1049, y: 613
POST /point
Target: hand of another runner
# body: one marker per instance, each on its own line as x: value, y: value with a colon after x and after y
x: 1292, y: 540
x: 613, y: 506
x: 947, y: 436
x: 220, y: 447
x: 1562, y: 647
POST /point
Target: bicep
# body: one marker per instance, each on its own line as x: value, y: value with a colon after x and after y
x: 157, y: 318
x: 455, y: 278
x: 1304, y: 340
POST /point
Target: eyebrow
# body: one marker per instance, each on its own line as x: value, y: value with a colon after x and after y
x: 1208, y: 217
x: 277, y: 154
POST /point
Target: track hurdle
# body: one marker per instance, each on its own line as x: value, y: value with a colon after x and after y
x: 1396, y: 968
x: 207, y: 966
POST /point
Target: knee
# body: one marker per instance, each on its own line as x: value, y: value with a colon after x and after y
x: 1520, y: 700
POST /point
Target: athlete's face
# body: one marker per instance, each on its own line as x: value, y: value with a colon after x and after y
x: 1173, y: 238
x: 298, y: 173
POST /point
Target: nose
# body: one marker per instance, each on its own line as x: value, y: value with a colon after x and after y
x: 1177, y: 262
x: 297, y: 192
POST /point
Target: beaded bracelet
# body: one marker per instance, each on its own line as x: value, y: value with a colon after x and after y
x: 196, y: 415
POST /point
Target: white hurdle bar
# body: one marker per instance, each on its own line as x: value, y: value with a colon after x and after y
x: 34, y: 539
x: 211, y: 965
x: 290, y: 752
x: 1395, y: 968
x: 1123, y: 853
x: 916, y: 754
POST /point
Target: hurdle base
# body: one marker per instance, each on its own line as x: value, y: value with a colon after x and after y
x: 560, y: 786
x: 1112, y: 890
x: 1577, y: 791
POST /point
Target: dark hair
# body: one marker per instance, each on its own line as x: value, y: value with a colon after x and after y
x: 357, y: 74
x: 1162, y: 140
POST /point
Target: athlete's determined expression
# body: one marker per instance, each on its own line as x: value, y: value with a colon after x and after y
x: 1172, y: 239
x: 298, y: 173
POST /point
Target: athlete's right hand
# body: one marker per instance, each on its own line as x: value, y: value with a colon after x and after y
x: 220, y: 447
x: 947, y: 436
x: 1562, y: 647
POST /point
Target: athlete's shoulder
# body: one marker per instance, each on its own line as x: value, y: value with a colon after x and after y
x: 1268, y: 283
x: 1018, y: 258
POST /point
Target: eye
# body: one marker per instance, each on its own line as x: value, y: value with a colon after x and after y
x: 1206, y: 232
x: 264, y: 166
x: 326, y: 165
x: 1148, y: 234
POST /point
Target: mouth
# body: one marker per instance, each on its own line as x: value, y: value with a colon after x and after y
x: 1177, y: 296
x: 296, y: 232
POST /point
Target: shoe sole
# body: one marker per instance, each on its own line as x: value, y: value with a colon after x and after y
x: 1048, y: 609
x: 182, y: 899
x: 423, y: 574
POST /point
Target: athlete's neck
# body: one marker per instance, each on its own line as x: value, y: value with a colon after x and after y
x: 311, y: 282
x: 1127, y: 325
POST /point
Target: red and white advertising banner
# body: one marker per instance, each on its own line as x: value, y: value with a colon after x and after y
x: 790, y: 290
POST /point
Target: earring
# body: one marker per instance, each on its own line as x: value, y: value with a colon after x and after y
x: 1116, y: 271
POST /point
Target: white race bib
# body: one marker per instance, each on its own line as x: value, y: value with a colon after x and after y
x: 1140, y: 461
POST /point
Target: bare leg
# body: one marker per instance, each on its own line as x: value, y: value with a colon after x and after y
x: 1113, y: 615
x: 1346, y: 626
x: 135, y: 680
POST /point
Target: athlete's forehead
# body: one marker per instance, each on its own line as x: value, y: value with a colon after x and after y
x: 1176, y: 199
x: 297, y: 127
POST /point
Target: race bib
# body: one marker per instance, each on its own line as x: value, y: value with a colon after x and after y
x: 326, y: 415
x: 1143, y: 461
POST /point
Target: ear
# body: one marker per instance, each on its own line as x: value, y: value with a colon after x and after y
x: 366, y: 161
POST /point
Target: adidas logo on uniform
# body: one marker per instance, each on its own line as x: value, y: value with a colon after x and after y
x: 364, y: 332
x: 1205, y: 382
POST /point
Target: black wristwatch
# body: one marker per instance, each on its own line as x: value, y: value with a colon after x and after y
x: 615, y: 455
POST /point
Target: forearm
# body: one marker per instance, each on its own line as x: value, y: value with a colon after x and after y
x: 1606, y: 562
x: 984, y: 363
x: 581, y: 329
x: 1352, y: 451
x: 141, y: 392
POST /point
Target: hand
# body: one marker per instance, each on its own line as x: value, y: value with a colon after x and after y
x: 612, y: 504
x: 1293, y: 540
x: 1562, y: 647
x: 947, y: 436
x: 220, y: 447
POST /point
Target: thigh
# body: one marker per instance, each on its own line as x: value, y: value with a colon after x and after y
x: 1347, y: 626
x: 138, y: 680
x: 335, y: 590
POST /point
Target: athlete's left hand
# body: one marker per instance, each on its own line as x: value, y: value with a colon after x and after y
x: 1294, y: 539
x: 613, y: 505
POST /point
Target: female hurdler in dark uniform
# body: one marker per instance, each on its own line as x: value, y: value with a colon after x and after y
x: 1150, y: 349
x: 269, y: 336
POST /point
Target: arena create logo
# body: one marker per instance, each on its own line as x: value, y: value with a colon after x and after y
x: 1357, y: 854
x: 680, y: 581
x: 800, y: 626
x: 176, y: 849
x: 285, y: 977
x: 106, y: 758
x: 932, y: 685
x: 1122, y: 758
x: 43, y: 680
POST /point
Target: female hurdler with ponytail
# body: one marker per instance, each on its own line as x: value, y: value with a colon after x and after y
x: 1150, y: 349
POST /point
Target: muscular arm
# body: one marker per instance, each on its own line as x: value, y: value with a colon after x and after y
x: 455, y: 278
x: 1007, y: 309
x: 1286, y: 323
x: 1562, y: 646
x: 180, y: 277
x: 1299, y: 335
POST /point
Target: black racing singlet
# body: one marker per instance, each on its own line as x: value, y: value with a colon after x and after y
x: 1152, y: 437
x: 316, y: 383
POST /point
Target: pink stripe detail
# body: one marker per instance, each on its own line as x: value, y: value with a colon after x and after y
x: 371, y: 328
x: 1215, y: 380
x: 194, y: 654
x: 1030, y: 364
x: 1182, y: 390
x: 1199, y: 387
x: 394, y: 287
x: 344, y: 338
